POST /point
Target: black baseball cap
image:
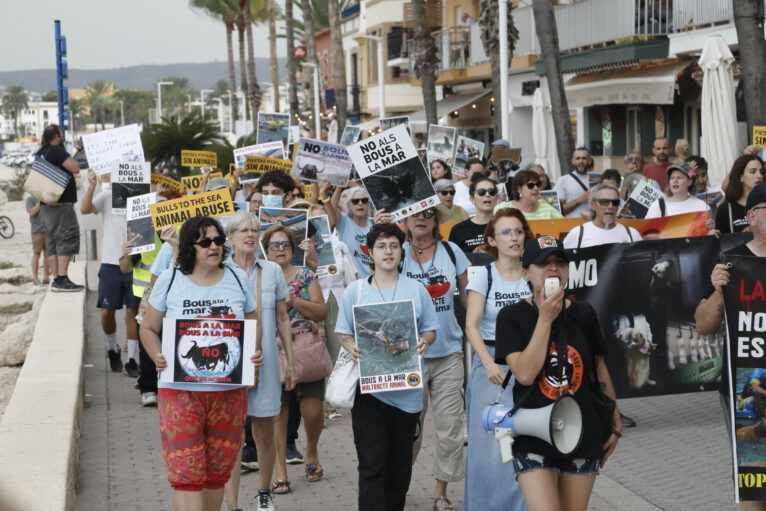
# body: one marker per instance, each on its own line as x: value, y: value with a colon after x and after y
x: 537, y: 250
x: 756, y: 196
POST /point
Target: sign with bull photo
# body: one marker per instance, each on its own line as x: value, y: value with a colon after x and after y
x: 441, y: 143
x: 467, y: 150
x: 293, y: 219
x: 392, y: 173
x: 208, y: 350
x: 129, y: 179
x: 318, y: 161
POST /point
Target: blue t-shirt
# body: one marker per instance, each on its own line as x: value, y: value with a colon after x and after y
x: 439, y: 278
x: 410, y: 400
x: 355, y: 238
x: 501, y: 293
x: 185, y: 299
x: 163, y: 261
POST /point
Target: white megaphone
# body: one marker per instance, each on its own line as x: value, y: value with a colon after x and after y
x: 559, y: 424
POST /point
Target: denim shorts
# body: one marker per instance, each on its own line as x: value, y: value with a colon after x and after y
x: 525, y: 462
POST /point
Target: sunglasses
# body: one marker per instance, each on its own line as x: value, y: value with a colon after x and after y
x: 634, y: 159
x: 534, y: 184
x: 428, y: 213
x: 206, y: 242
x: 279, y: 245
x: 447, y: 192
x: 606, y: 202
x: 365, y: 200
x: 481, y: 192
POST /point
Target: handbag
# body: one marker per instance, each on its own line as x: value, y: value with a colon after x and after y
x: 310, y: 355
x: 46, y: 181
x: 341, y: 386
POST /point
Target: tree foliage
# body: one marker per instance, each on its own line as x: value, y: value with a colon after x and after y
x: 15, y: 100
x: 163, y: 142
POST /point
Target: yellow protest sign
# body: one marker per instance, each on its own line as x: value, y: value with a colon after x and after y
x: 177, y: 211
x: 759, y: 136
x: 232, y: 168
x: 199, y: 158
x: 194, y: 183
x: 167, y: 182
x: 263, y: 164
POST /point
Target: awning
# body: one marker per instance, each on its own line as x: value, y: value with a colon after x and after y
x: 654, y: 85
x: 445, y: 106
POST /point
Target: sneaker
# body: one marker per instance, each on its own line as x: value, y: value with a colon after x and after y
x: 627, y: 422
x: 64, y: 285
x: 249, y: 458
x: 114, y: 360
x: 148, y: 399
x: 265, y: 500
x: 131, y: 368
x: 293, y: 455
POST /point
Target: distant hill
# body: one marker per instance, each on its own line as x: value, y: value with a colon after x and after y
x: 145, y: 77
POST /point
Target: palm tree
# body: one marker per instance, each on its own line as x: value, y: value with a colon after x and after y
x: 273, y: 53
x: 255, y: 11
x: 76, y: 108
x: 292, y: 63
x: 488, y: 21
x: 752, y: 55
x: 97, y: 97
x: 241, y: 29
x: 15, y: 100
x: 338, y: 64
x: 163, y: 142
x: 426, y: 59
x: 137, y: 104
x: 548, y: 35
x: 311, y: 49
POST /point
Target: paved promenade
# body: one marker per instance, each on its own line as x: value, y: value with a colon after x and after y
x: 676, y: 459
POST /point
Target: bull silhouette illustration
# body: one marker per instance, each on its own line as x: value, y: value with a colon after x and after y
x: 207, y: 357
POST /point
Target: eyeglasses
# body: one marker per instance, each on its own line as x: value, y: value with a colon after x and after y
x: 634, y: 159
x: 447, y: 192
x: 364, y: 200
x: 606, y: 202
x: 279, y: 245
x: 249, y: 231
x: 428, y: 213
x: 532, y: 184
x: 256, y: 202
x: 481, y: 192
x: 507, y: 233
x: 393, y: 247
x: 206, y: 242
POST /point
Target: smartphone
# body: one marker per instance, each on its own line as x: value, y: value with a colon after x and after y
x: 551, y: 285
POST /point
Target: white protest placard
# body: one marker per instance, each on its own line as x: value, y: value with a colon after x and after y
x: 140, y: 228
x: 441, y: 142
x: 271, y: 149
x: 318, y: 161
x: 466, y: 150
x: 393, y: 174
x: 129, y: 179
x: 643, y: 196
x: 103, y: 148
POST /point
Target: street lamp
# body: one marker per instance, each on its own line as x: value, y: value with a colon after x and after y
x: 317, y: 120
x: 122, y: 112
x: 503, y: 38
x: 159, y: 99
x: 202, y: 100
x: 381, y: 78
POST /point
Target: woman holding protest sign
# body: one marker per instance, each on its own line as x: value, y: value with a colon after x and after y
x: 746, y: 173
x: 536, y: 330
x: 268, y: 285
x: 201, y: 423
x: 384, y: 423
x: 526, y: 187
x: 354, y: 225
x: 305, y: 308
x: 490, y: 484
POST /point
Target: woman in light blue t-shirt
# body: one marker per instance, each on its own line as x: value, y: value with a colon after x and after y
x: 489, y: 483
x: 354, y: 225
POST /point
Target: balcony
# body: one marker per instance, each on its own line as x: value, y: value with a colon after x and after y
x: 458, y: 48
x: 692, y: 14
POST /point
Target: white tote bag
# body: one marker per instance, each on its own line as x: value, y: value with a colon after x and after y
x: 341, y: 385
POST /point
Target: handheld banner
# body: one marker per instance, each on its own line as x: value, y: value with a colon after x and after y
x: 317, y: 161
x: 350, y: 135
x: 389, y: 122
x: 642, y: 196
x: 108, y: 146
x: 269, y: 149
x: 552, y: 198
x: 256, y: 166
x: 466, y: 150
x: 441, y: 142
x: 167, y: 183
x: 177, y: 211
x: 129, y: 179
x: 326, y: 264
x: 293, y: 219
x: 273, y: 127
x: 194, y: 183
x: 140, y: 229
x: 199, y: 158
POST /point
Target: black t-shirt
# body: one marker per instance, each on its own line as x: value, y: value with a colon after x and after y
x: 739, y: 215
x: 57, y: 155
x: 584, y: 339
x: 467, y: 235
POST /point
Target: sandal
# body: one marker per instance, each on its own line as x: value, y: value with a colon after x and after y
x: 442, y: 503
x: 332, y: 414
x: 280, y: 486
x: 314, y: 472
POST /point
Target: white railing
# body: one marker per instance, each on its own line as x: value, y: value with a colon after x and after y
x: 527, y: 43
x: 695, y: 13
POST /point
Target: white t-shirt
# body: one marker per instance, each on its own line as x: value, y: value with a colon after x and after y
x: 593, y: 235
x: 463, y: 199
x: 690, y: 205
x: 114, y: 228
x: 569, y: 190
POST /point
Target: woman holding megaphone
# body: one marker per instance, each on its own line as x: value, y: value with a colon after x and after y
x: 553, y: 471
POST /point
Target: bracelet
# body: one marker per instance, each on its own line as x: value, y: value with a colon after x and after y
x: 616, y: 433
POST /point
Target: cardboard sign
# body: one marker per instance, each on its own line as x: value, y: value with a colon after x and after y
x: 140, y: 229
x: 194, y: 183
x: 643, y: 196
x: 318, y: 161
x: 177, y: 211
x: 273, y: 127
x: 350, y: 135
x: 167, y: 182
x: 262, y: 164
x: 129, y: 179
x: 270, y: 149
x: 441, y: 142
x: 106, y: 147
x: 199, y: 158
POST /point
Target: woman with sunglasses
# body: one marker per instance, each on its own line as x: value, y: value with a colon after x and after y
x: 440, y: 169
x: 384, y: 423
x: 440, y: 266
x: 469, y: 234
x: 304, y: 301
x: 353, y: 225
x: 201, y: 424
x: 489, y: 483
x: 526, y: 188
x: 445, y: 188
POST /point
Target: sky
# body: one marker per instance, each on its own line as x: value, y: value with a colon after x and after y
x: 109, y: 33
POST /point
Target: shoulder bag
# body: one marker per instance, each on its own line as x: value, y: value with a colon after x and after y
x: 46, y: 181
x: 341, y: 385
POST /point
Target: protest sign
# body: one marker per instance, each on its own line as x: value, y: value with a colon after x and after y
x: 552, y: 198
x: 209, y: 350
x: 199, y: 158
x: 423, y: 155
x: 318, y: 161
x: 326, y: 263
x: 140, y: 229
x: 273, y: 127
x: 256, y: 166
x: 294, y: 133
x: 389, y: 122
x: 441, y: 142
x: 467, y: 149
x: 129, y: 179
x: 594, y: 179
x: 392, y: 173
x: 177, y: 211
x: 270, y: 149
x: 167, y: 182
x: 713, y: 199
x: 759, y: 136
x: 387, y: 334
x: 639, y: 200
x: 194, y: 183
x: 105, y: 147
x: 293, y: 219
x: 745, y: 311
x: 232, y: 168
x: 350, y: 135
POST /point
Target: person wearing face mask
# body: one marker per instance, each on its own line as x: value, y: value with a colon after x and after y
x: 603, y: 229
x: 746, y: 173
x: 277, y: 189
